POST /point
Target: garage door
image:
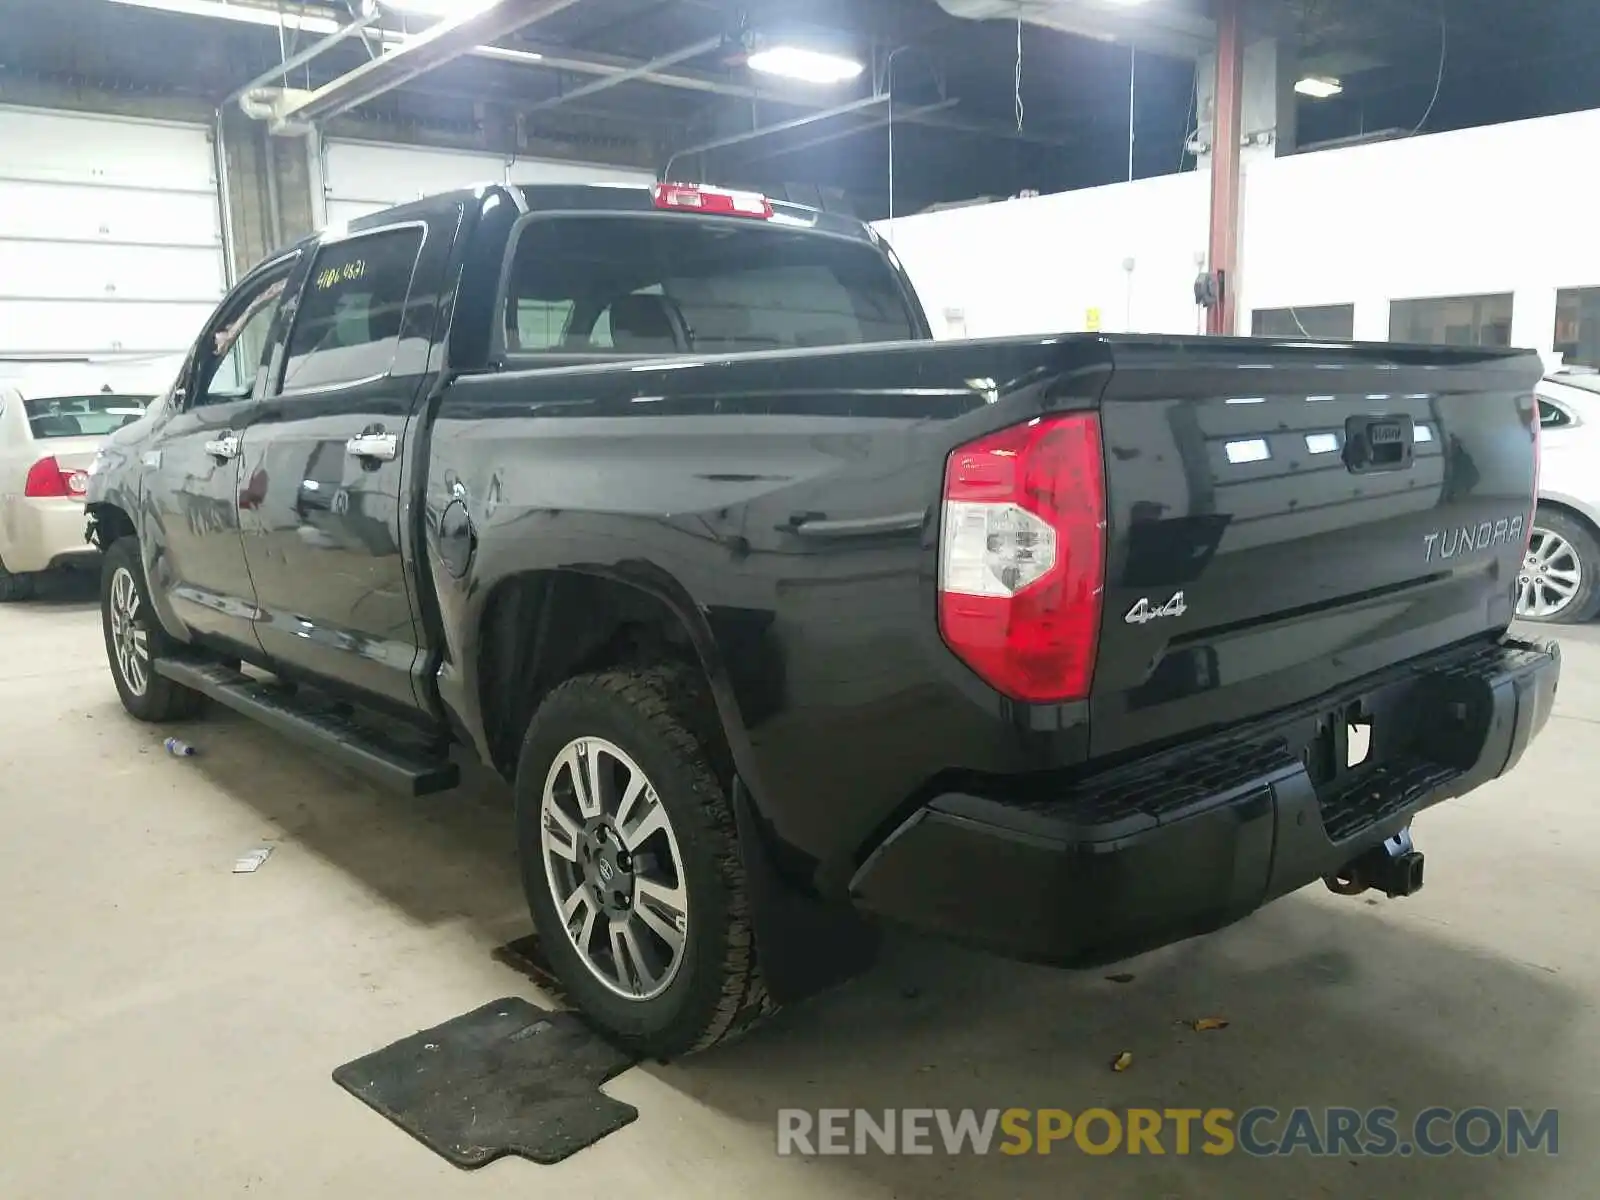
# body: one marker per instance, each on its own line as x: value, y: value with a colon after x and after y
x: 363, y: 177
x: 109, y: 240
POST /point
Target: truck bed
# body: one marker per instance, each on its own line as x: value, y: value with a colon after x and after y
x: 793, y: 501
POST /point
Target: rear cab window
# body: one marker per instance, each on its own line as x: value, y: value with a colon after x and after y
x: 82, y: 416
x: 663, y: 284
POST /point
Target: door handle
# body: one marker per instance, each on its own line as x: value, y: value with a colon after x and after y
x: 376, y: 447
x: 224, y: 447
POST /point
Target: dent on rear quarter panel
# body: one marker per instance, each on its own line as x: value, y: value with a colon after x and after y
x: 698, y: 483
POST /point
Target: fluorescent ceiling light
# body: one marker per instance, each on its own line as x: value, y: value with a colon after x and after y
x: 808, y: 66
x: 1319, y: 87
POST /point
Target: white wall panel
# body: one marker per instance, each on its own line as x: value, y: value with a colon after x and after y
x: 364, y: 177
x: 85, y: 329
x: 109, y: 239
x: 1467, y: 212
x: 1048, y: 264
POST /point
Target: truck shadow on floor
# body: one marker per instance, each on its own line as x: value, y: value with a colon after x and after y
x: 65, y: 591
x: 1329, y: 1003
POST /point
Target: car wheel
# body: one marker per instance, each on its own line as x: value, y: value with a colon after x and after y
x: 135, y: 640
x: 631, y: 865
x: 1560, y: 579
x: 15, y: 587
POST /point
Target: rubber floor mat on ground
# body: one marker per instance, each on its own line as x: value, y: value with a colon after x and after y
x: 507, y: 1078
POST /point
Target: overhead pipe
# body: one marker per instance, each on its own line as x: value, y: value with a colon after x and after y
x: 630, y: 75
x: 864, y: 127
x: 315, y: 50
x: 219, y: 158
x: 440, y: 43
x: 762, y: 131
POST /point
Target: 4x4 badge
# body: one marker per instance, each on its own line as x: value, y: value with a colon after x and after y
x: 1144, y: 612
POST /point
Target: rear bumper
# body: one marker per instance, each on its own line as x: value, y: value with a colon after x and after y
x: 1187, y: 841
x: 42, y: 534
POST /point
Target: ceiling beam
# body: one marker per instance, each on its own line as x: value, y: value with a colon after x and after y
x: 835, y: 135
x: 448, y: 39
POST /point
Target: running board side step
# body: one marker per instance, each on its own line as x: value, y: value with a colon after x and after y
x: 395, y: 766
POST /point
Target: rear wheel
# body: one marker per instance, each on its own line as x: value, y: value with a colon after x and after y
x: 631, y: 864
x: 135, y: 641
x: 1560, y: 579
x: 15, y: 587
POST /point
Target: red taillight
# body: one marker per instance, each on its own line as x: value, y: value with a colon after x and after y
x: 48, y: 479
x: 1022, y: 557
x: 714, y: 202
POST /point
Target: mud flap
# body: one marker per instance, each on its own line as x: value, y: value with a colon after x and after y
x: 805, y: 944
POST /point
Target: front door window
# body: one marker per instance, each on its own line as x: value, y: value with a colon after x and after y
x: 237, y: 347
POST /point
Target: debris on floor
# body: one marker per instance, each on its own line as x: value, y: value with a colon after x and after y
x: 507, y: 1078
x: 1122, y: 1061
x: 1207, y: 1024
x: 248, y: 864
x: 1120, y: 977
x: 179, y: 748
x: 526, y: 957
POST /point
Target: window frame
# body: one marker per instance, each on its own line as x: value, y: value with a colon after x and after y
x: 282, y: 267
x: 1576, y: 290
x: 1472, y: 296
x: 1305, y: 308
x: 504, y: 357
x: 275, y: 389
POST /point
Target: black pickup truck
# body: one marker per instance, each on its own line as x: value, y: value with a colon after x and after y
x: 783, y: 619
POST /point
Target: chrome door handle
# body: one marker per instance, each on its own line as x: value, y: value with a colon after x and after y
x: 379, y: 447
x: 224, y: 447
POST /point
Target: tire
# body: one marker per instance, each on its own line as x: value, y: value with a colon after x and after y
x: 660, y: 721
x: 147, y: 696
x: 1563, y: 552
x: 15, y: 587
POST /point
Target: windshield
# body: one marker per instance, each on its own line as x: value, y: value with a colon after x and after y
x: 669, y: 284
x: 82, y: 416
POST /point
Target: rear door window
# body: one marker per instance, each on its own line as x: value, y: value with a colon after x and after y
x: 82, y: 416
x: 350, y: 312
x: 668, y: 284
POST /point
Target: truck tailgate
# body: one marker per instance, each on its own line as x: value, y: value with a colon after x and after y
x: 1283, y: 519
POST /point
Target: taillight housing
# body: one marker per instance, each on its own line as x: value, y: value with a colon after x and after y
x: 1022, y: 557
x: 48, y: 479
x: 717, y: 202
x: 1531, y: 417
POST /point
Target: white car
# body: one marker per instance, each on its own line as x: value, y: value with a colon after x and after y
x: 50, y: 429
x: 1560, y: 581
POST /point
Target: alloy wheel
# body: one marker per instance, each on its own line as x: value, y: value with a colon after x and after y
x: 130, y: 642
x: 1551, y: 575
x: 615, y: 871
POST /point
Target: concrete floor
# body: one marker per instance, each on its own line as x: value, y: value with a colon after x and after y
x: 167, y: 1028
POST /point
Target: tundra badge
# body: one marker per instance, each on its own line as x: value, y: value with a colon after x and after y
x: 1468, y: 539
x: 1144, y: 612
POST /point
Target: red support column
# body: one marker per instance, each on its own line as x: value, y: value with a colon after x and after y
x: 1226, y: 130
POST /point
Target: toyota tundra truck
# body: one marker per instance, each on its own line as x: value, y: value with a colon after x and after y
x: 785, y: 621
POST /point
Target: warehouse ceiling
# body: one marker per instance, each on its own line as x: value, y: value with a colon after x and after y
x: 957, y: 102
